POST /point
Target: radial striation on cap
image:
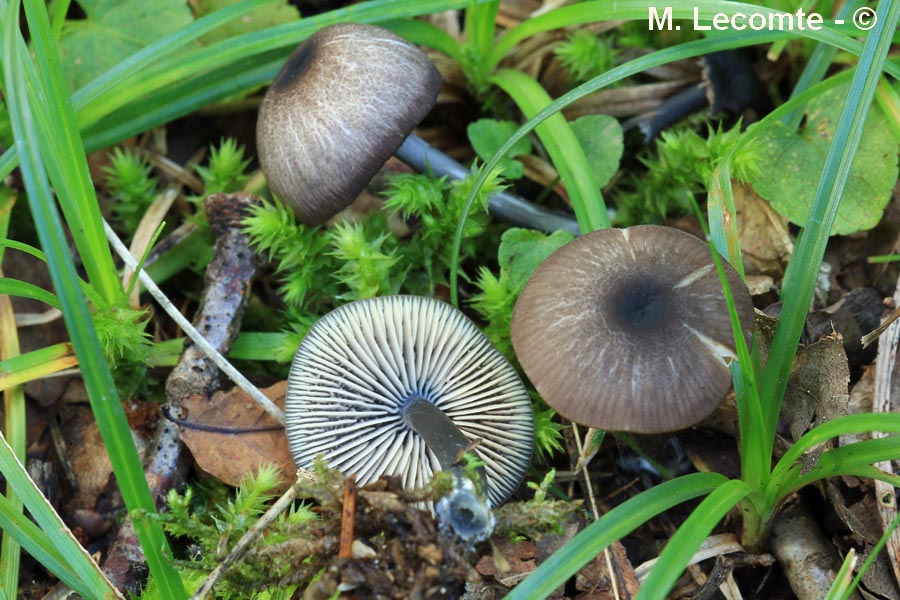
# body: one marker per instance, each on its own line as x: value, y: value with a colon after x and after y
x: 363, y: 364
x: 628, y: 329
x: 338, y: 109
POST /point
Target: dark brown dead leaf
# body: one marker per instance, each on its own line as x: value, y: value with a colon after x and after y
x: 511, y: 562
x: 88, y: 469
x: 853, y: 316
x: 593, y: 580
x: 508, y: 559
x: 817, y: 389
x: 231, y: 456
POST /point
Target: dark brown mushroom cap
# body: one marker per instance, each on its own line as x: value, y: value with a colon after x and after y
x: 628, y: 329
x: 338, y: 109
x: 362, y: 364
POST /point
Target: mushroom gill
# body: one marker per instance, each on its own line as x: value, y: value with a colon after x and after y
x: 363, y: 375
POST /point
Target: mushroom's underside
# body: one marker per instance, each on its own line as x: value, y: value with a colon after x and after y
x: 363, y: 363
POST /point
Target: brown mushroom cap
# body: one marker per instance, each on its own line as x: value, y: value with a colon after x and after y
x: 628, y: 329
x: 338, y: 109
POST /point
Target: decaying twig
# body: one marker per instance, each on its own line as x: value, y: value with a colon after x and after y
x: 881, y: 403
x: 348, y: 513
x: 809, y: 559
x: 226, y: 293
x: 195, y: 336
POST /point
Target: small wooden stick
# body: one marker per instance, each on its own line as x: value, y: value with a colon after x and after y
x: 348, y: 513
x: 873, y: 335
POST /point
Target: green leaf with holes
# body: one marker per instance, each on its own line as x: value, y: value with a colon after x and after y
x: 112, y: 30
x: 522, y: 250
x: 267, y: 16
x: 791, y: 163
x: 601, y: 138
x: 487, y: 135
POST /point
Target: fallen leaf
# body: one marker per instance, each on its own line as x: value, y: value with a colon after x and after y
x: 817, y: 390
x: 509, y: 562
x: 594, y: 578
x: 231, y: 456
x: 765, y: 242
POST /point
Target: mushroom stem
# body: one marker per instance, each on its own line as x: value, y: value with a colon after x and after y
x: 466, y: 509
x: 423, y: 157
x: 437, y: 429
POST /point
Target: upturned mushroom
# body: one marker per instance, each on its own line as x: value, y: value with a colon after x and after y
x: 339, y: 108
x: 628, y: 329
x: 403, y: 386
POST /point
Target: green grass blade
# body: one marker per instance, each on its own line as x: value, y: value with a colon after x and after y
x: 102, y: 393
x: 889, y: 101
x: 847, y: 425
x: 35, y: 542
x: 562, y: 146
x: 842, y: 584
x: 888, y: 532
x: 23, y: 289
x: 22, y: 247
x: 612, y: 526
x: 690, y: 535
x: 7, y: 201
x: 754, y: 465
x: 481, y: 25
x: 816, y: 66
x: 36, y: 364
x: 424, y: 33
x: 73, y: 181
x: 90, y: 292
x: 853, y: 459
x: 803, y: 269
x: 14, y: 427
x: 176, y: 100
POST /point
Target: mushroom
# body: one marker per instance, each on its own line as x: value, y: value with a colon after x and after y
x: 342, y: 104
x: 729, y: 86
x: 403, y: 386
x: 628, y: 329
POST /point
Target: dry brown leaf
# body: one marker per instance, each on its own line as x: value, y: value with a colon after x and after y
x: 817, y: 389
x: 593, y: 580
x: 765, y: 242
x: 510, y: 561
x: 231, y: 456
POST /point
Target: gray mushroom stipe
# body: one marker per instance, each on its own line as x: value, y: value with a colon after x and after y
x: 628, y: 329
x: 503, y: 205
x: 362, y: 365
x: 338, y: 109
